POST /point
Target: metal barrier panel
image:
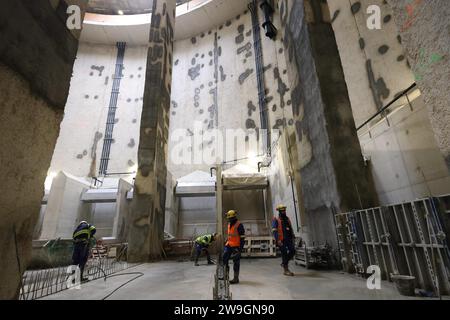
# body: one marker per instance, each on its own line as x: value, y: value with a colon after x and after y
x: 408, y: 239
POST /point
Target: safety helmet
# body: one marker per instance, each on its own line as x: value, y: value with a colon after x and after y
x: 231, y: 214
x: 281, y: 207
x: 83, y: 222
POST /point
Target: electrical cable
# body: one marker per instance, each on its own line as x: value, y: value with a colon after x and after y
x: 140, y: 274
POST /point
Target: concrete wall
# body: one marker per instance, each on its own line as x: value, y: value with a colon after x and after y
x: 149, y: 199
x: 64, y: 208
x: 424, y: 26
x: 375, y: 64
x: 122, y: 210
x: 197, y: 216
x: 404, y: 156
x: 215, y: 85
x: 206, y: 89
x: 331, y: 165
x: 172, y: 207
x: 87, y: 111
x: 35, y: 70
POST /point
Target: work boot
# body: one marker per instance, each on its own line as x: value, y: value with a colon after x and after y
x: 210, y: 262
x: 287, y: 272
x: 196, y: 263
x: 235, y: 279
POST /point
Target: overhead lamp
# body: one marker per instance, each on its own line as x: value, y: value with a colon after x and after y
x: 120, y: 12
x: 268, y: 9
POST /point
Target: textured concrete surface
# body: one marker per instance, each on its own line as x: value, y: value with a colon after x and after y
x: 424, y: 27
x: 29, y: 128
x: 331, y: 164
x: 374, y: 61
x: 39, y: 46
x: 149, y: 200
x: 261, y: 279
x: 36, y: 63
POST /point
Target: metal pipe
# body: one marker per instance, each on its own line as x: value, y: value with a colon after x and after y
x: 387, y: 106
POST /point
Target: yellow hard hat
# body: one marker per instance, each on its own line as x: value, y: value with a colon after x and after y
x: 281, y: 207
x: 231, y: 214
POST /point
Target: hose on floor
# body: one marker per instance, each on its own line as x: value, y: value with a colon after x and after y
x: 140, y: 274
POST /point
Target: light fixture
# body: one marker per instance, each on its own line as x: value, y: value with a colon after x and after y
x: 120, y: 12
x: 267, y: 7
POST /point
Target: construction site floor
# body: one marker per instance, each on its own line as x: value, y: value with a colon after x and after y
x: 261, y: 279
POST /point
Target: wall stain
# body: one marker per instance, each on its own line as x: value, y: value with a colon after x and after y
x: 223, y: 76
x: 194, y: 72
x: 99, y: 69
x: 97, y: 137
x: 245, y: 75
x: 251, y: 108
x: 378, y: 87
x: 250, y: 124
x: 246, y: 47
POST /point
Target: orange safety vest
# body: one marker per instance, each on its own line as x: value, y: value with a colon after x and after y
x: 234, y: 238
x: 280, y: 228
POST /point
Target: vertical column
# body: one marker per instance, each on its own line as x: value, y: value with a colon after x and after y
x: 424, y: 27
x: 147, y: 213
x: 330, y: 164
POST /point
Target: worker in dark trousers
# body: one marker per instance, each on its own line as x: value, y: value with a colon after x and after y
x: 284, y: 238
x: 234, y: 245
x: 201, y: 244
x: 82, y: 237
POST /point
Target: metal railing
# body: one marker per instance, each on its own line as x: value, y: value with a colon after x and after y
x: 383, y: 110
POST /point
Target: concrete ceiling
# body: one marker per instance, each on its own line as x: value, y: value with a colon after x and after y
x: 113, y: 6
x: 134, y: 30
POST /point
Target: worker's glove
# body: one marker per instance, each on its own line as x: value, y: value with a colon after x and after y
x: 279, y: 243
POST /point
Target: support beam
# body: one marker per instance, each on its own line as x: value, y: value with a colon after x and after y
x: 424, y: 27
x: 148, y: 208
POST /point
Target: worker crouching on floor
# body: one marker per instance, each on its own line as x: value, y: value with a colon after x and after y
x: 234, y: 245
x: 201, y: 244
x: 82, y: 237
x: 284, y: 238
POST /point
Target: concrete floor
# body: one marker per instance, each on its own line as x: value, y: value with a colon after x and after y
x: 261, y: 279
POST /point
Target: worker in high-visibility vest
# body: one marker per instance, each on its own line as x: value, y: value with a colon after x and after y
x: 82, y: 237
x: 284, y: 238
x: 235, y: 244
x: 201, y: 244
